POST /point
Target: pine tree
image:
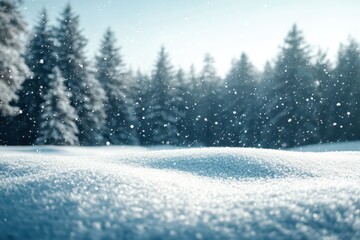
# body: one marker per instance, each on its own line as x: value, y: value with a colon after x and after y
x: 241, y: 106
x: 292, y: 112
x: 13, y: 69
x: 345, y: 105
x: 264, y: 99
x: 132, y: 89
x: 119, y: 107
x: 209, y: 106
x: 57, y: 126
x: 41, y: 59
x: 193, y: 96
x: 182, y: 100
x: 324, y: 78
x: 86, y: 94
x: 142, y: 98
x: 161, y: 112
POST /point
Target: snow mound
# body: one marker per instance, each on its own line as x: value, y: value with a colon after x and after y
x: 208, y: 193
x: 217, y: 162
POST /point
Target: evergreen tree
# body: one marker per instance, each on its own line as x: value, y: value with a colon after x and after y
x: 13, y: 69
x: 86, y: 94
x: 142, y: 98
x: 182, y: 99
x: 267, y: 75
x: 323, y: 75
x: 208, y: 126
x: 41, y: 59
x: 292, y: 112
x: 119, y: 107
x: 240, y: 114
x: 161, y: 112
x: 345, y: 107
x: 57, y: 121
x: 192, y: 101
x: 264, y: 100
x: 132, y: 89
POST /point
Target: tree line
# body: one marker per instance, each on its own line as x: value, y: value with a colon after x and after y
x: 51, y: 93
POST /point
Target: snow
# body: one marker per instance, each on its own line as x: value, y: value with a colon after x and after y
x: 207, y: 193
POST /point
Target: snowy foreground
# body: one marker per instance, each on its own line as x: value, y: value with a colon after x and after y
x: 212, y: 193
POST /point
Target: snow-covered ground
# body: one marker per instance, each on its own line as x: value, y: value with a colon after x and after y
x: 210, y: 193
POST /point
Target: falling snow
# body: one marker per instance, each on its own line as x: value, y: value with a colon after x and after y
x: 183, y: 185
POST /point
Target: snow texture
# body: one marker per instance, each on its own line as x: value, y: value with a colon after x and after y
x: 209, y: 193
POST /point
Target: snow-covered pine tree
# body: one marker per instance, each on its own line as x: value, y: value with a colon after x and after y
x: 13, y: 69
x: 41, y: 59
x: 264, y: 99
x: 142, y: 98
x: 86, y: 94
x: 345, y: 95
x: 57, y: 121
x: 182, y: 100
x: 325, y: 83
x: 161, y: 112
x: 267, y: 75
x: 208, y: 127
x: 119, y: 107
x: 193, y: 96
x: 240, y: 114
x: 292, y: 112
x: 132, y: 88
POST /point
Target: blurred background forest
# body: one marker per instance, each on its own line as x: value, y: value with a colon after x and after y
x: 52, y: 94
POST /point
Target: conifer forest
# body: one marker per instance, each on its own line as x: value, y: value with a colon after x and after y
x: 51, y: 93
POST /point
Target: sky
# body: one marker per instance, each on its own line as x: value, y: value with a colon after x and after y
x: 191, y: 28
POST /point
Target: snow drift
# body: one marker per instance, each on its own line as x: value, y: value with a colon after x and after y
x: 209, y: 193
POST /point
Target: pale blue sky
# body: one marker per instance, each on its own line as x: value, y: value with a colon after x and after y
x: 224, y: 28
